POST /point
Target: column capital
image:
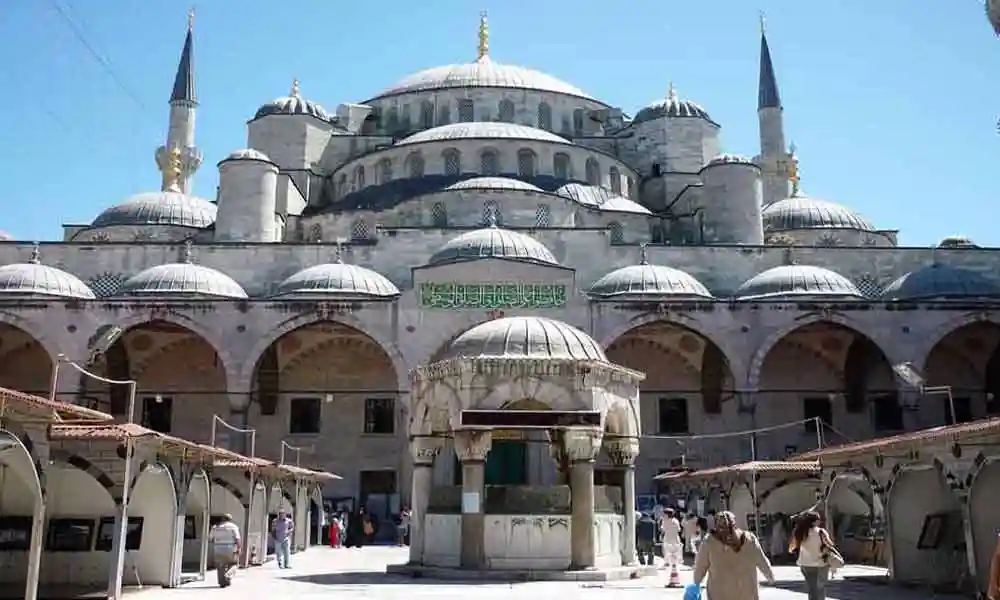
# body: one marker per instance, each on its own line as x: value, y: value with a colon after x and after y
x: 582, y: 444
x: 472, y: 445
x: 622, y: 451
x: 425, y: 449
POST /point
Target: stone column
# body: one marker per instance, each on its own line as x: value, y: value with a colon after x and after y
x: 424, y: 451
x: 472, y: 446
x: 582, y: 446
x: 623, y: 452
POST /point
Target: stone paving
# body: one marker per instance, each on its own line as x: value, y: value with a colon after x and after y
x: 354, y: 573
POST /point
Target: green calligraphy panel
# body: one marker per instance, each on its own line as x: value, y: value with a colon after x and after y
x: 492, y: 295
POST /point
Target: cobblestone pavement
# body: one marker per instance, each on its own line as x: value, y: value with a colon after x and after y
x: 359, y: 573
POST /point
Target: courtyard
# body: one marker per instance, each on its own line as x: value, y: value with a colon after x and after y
x: 324, y: 572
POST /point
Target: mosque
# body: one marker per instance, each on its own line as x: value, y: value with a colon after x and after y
x: 345, y: 249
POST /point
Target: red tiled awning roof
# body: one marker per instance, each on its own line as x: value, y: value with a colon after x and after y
x: 775, y: 467
x: 962, y: 433
x: 35, y: 407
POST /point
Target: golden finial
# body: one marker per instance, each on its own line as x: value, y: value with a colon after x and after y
x: 295, y: 87
x: 35, y: 254
x: 484, y: 36
x: 671, y: 92
x: 191, y: 19
x: 793, y: 169
x: 643, y: 258
x: 175, y: 170
x: 763, y: 23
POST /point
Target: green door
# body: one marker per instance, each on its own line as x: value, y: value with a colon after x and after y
x: 507, y: 463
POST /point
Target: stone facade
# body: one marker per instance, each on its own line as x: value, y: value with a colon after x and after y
x: 386, y: 184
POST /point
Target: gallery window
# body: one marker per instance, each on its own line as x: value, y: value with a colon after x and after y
x: 818, y: 407
x: 887, y: 414
x: 380, y: 415
x: 157, y: 413
x: 673, y: 415
x: 304, y: 415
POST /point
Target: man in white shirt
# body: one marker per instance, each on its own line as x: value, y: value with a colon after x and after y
x: 688, y: 527
x: 226, y: 543
x: 673, y: 549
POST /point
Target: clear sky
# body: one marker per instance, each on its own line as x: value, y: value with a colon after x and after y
x: 892, y: 104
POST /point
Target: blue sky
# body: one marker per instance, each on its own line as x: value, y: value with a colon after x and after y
x: 892, y: 103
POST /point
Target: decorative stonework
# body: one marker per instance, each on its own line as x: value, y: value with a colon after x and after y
x: 106, y: 284
x: 142, y: 235
x: 582, y: 444
x: 101, y: 237
x: 868, y: 286
x: 473, y: 446
x: 779, y: 239
x: 425, y: 450
x: 492, y: 295
x: 828, y: 240
x: 622, y: 451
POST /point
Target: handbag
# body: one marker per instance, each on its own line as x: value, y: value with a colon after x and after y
x: 832, y: 557
x: 692, y: 592
x: 369, y: 529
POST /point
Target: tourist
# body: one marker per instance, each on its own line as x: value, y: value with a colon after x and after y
x: 337, y: 529
x: 689, y: 527
x: 282, y: 530
x: 670, y: 530
x: 403, y: 529
x: 226, y: 543
x: 356, y: 529
x: 700, y: 534
x: 731, y: 558
x: 811, y: 541
x: 645, y: 539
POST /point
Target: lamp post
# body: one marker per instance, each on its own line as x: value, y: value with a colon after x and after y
x: 909, y: 375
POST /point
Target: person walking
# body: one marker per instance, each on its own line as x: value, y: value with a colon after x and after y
x: 811, y: 541
x: 688, y: 528
x: 673, y: 548
x: 282, y: 530
x: 226, y: 544
x: 731, y: 558
x: 356, y: 535
x: 403, y: 529
x: 645, y: 539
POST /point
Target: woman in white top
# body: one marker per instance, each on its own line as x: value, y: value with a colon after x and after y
x: 809, y: 539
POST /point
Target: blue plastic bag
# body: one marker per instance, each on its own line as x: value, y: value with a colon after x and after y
x: 692, y: 592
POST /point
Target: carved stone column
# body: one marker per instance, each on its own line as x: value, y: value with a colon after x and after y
x: 472, y: 447
x: 424, y: 451
x: 623, y: 452
x: 582, y: 447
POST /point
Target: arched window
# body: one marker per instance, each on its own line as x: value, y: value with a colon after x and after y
x: 342, y: 185
x: 544, y: 116
x: 359, y: 177
x: 491, y: 213
x: 426, y: 115
x: 578, y: 121
x: 359, y: 231
x: 384, y: 171
x: 489, y: 163
x: 452, y: 162
x: 630, y: 184
x: 466, y: 111
x: 415, y: 164
x: 616, y: 180
x: 543, y: 216
x: 616, y: 234
x: 392, y: 121
x: 439, y: 215
x: 444, y: 114
x: 526, y: 162
x: 561, y: 166
x: 506, y: 111
x: 593, y: 172
x: 405, y: 123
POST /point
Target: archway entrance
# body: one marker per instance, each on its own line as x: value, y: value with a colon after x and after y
x: 181, y: 380
x: 19, y: 495
x: 25, y: 365
x: 967, y: 360
x: 827, y: 372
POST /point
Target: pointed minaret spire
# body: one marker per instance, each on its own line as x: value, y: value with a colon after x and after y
x: 774, y: 158
x: 767, y: 86
x: 184, y: 79
x: 180, y: 132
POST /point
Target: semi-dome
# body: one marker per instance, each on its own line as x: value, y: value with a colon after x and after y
x: 646, y: 280
x: 293, y: 104
x: 35, y: 279
x: 184, y: 279
x: 248, y: 154
x: 791, y: 281
x: 941, y: 282
x: 160, y: 208
x: 482, y: 130
x: 499, y: 184
x: 799, y: 212
x: 957, y: 241
x: 493, y: 242
x: 525, y: 337
x: 600, y: 198
x: 337, y: 279
x: 672, y: 107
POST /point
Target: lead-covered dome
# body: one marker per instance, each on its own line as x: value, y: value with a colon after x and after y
x: 800, y: 212
x: 168, y: 207
x: 35, y: 279
x: 671, y: 107
x: 482, y: 130
x: 248, y: 154
x: 941, y: 282
x: 493, y: 242
x: 497, y: 184
x: 337, y: 279
x: 600, y: 198
x: 293, y: 104
x: 525, y: 337
x: 792, y: 281
x: 182, y: 279
x: 645, y: 281
x: 957, y: 241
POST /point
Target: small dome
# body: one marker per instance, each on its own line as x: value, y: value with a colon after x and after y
x: 160, y: 208
x: 182, y: 279
x: 35, y: 279
x: 593, y: 196
x: 525, y: 337
x: 499, y: 184
x: 797, y: 280
x: 337, y: 279
x: 482, y: 130
x: 648, y: 280
x: 957, y: 241
x: 482, y: 73
x: 248, y: 154
x: 493, y: 242
x: 800, y: 212
x: 939, y: 282
x: 672, y: 107
x: 293, y: 104
x: 730, y: 159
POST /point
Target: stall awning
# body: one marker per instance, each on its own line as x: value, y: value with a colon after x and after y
x: 775, y: 467
x: 15, y: 404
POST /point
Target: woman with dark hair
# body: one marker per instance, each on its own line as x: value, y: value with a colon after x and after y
x: 811, y: 541
x: 731, y: 558
x: 356, y: 534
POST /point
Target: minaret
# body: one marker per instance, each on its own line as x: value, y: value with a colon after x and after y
x: 774, y: 157
x: 183, y: 105
x: 484, y: 38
